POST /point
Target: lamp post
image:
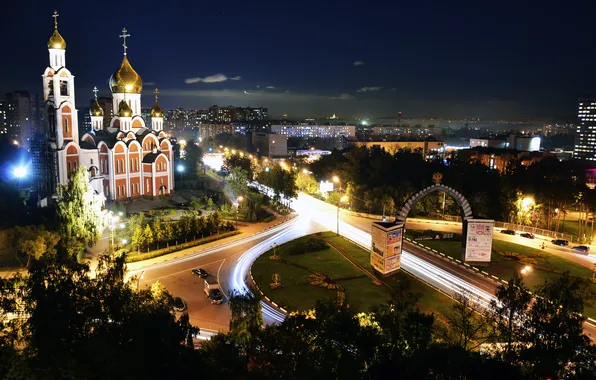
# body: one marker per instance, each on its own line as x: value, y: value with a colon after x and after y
x: 342, y: 199
x: 180, y: 169
x: 240, y: 199
x: 139, y: 280
x: 113, y: 221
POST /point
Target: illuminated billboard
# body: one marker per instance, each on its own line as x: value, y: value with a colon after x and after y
x: 385, y: 254
x: 479, y: 240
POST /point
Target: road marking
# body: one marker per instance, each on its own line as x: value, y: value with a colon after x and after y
x: 182, y: 271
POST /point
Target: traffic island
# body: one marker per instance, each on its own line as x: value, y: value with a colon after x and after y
x: 298, y: 274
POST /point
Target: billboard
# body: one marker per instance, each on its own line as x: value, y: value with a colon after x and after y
x: 479, y: 240
x: 325, y: 186
x: 393, y: 250
x: 385, y: 254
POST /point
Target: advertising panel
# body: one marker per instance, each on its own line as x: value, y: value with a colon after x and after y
x: 479, y: 240
x: 393, y: 249
x: 379, y: 240
x: 325, y: 186
x: 385, y: 253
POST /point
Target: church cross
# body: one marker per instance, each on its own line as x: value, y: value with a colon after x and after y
x: 123, y: 36
x: 95, y: 91
x: 55, y: 16
x: 156, y: 92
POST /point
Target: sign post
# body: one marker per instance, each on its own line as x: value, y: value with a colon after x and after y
x: 477, y: 241
x: 385, y: 254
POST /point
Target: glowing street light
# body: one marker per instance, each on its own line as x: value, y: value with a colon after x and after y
x: 342, y: 199
x: 180, y: 169
x: 19, y: 172
x: 304, y: 171
x: 527, y: 269
x: 124, y: 241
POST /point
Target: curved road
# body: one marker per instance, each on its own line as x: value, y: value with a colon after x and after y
x: 230, y: 263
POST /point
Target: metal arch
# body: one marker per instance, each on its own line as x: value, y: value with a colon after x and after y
x: 459, y: 198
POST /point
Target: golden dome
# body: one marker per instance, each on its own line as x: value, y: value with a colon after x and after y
x: 124, y: 109
x: 126, y: 79
x: 96, y: 109
x: 156, y: 111
x: 56, y: 41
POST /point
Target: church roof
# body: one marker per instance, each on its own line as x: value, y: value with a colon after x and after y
x: 151, y: 157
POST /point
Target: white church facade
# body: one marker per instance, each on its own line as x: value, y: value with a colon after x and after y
x: 125, y: 159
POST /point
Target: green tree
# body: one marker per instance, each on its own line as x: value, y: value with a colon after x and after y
x: 306, y: 182
x: 509, y: 311
x: 193, y: 156
x: 553, y: 330
x: 238, y: 182
x: 246, y: 319
x: 138, y: 238
x: 237, y: 162
x: 158, y: 231
x: 78, y: 212
x: 35, y: 241
x: 468, y: 323
x: 148, y: 235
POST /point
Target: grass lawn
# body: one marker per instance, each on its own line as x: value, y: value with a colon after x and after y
x: 361, y: 293
x: 546, y: 266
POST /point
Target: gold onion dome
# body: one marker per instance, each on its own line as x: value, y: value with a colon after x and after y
x: 156, y: 111
x: 56, y: 41
x: 96, y: 109
x: 124, y: 109
x: 126, y: 79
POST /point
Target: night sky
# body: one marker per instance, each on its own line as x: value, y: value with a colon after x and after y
x: 505, y: 60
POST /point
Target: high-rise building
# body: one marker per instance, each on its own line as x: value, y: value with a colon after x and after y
x: 125, y: 158
x: 106, y: 104
x: 3, y: 124
x: 85, y: 120
x: 585, y: 137
x: 23, y: 116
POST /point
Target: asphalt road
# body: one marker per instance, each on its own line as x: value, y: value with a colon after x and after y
x: 230, y: 263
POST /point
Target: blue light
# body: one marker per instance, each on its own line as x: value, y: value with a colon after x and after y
x: 180, y: 168
x: 19, y: 172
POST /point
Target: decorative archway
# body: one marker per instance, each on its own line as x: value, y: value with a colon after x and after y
x: 413, y: 200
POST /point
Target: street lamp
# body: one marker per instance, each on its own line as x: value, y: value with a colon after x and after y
x: 19, y: 172
x: 240, y: 199
x: 140, y: 278
x: 342, y: 199
x: 527, y: 269
x: 338, y: 181
x: 180, y: 169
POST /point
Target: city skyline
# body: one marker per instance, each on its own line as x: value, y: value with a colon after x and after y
x: 314, y: 60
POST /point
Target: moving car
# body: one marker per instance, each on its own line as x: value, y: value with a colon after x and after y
x: 179, y: 304
x: 213, y: 290
x: 508, y: 232
x: 560, y: 242
x: 581, y: 248
x: 527, y: 235
x: 200, y: 272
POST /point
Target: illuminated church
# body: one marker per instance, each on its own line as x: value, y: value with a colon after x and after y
x: 125, y: 159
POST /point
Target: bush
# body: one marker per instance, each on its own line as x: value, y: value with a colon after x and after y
x: 301, y: 246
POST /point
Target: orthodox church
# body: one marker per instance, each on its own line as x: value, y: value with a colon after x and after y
x: 125, y: 159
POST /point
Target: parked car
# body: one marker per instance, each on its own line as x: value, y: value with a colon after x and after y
x: 527, y: 235
x: 560, y: 242
x: 200, y: 272
x: 179, y: 304
x: 581, y: 248
x: 508, y: 232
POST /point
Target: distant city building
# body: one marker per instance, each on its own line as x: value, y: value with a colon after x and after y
x: 23, y: 116
x: 498, y: 159
x: 585, y: 136
x: 512, y: 141
x: 3, y: 123
x: 206, y: 130
x: 315, y: 131
x: 84, y: 115
x: 406, y: 131
x: 430, y: 148
x: 270, y: 144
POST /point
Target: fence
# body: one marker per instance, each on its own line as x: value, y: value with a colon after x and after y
x: 535, y: 230
x: 451, y: 218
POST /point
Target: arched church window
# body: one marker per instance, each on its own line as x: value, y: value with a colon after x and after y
x: 51, y: 87
x: 52, y: 119
x: 63, y: 88
x: 66, y: 125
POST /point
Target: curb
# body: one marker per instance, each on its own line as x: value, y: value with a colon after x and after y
x: 263, y: 296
